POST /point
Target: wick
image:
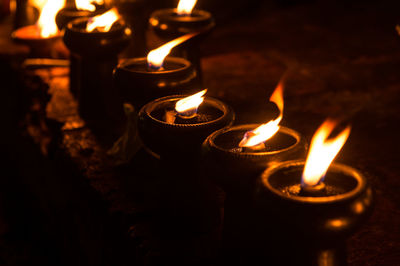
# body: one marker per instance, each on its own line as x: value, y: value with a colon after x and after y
x: 188, y: 114
x: 313, y: 191
x: 173, y: 117
x: 153, y: 68
x: 258, y: 147
x: 183, y: 14
x: 184, y: 116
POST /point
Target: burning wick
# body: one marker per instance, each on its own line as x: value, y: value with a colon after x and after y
x: 322, y: 152
x: 185, y: 7
x: 254, y: 140
x: 155, y: 58
x: 186, y: 108
x: 103, y: 22
x: 88, y: 5
x: 46, y: 23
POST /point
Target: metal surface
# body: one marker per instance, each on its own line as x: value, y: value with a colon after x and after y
x: 167, y: 25
x: 139, y: 86
x: 236, y: 171
x: 35, y: 63
x: 95, y: 56
x: 313, y: 229
x: 179, y: 141
x: 39, y: 47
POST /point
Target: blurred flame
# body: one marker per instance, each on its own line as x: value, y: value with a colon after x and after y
x: 104, y: 21
x: 47, y: 19
x: 87, y: 4
x: 267, y: 130
x: 322, y: 152
x: 39, y: 4
x: 185, y: 7
x: 155, y: 58
x: 190, y: 103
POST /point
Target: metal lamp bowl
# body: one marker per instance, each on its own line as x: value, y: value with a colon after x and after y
x: 79, y: 41
x: 234, y: 170
x: 332, y: 215
x: 140, y: 86
x: 179, y: 140
x: 311, y: 228
x: 39, y: 46
x: 168, y: 24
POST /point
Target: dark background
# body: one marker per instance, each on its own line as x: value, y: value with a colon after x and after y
x: 343, y: 59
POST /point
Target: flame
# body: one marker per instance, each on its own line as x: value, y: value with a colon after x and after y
x: 185, y: 7
x: 104, y: 21
x: 155, y: 58
x: 322, y: 152
x: 39, y: 4
x: 267, y: 130
x: 190, y: 103
x: 87, y: 4
x: 47, y: 19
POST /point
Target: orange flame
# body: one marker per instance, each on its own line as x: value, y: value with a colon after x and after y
x: 155, y: 58
x: 103, y: 22
x: 267, y: 130
x: 47, y: 19
x: 87, y: 4
x: 322, y: 152
x: 190, y: 103
x: 185, y: 7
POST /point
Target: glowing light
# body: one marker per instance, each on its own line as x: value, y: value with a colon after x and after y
x: 190, y: 104
x: 322, y: 152
x: 87, y: 4
x: 335, y: 224
x: 267, y: 130
x: 185, y: 7
x: 47, y: 20
x: 155, y: 58
x: 103, y: 22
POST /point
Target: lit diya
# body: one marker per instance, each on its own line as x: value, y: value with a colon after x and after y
x: 173, y: 22
x: 175, y: 126
x: 236, y: 156
x: 172, y: 129
x: 78, y: 9
x: 316, y: 204
x: 141, y: 80
x: 41, y: 36
x: 96, y: 43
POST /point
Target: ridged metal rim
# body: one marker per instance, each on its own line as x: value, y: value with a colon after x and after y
x: 123, y: 66
x: 148, y: 108
x: 14, y: 36
x: 202, y: 15
x: 211, y: 141
x: 340, y: 168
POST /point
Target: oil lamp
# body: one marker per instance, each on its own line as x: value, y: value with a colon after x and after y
x: 316, y: 204
x: 41, y: 36
x: 77, y: 9
x: 141, y: 80
x: 96, y: 42
x: 237, y: 155
x: 174, y: 127
x: 173, y: 22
